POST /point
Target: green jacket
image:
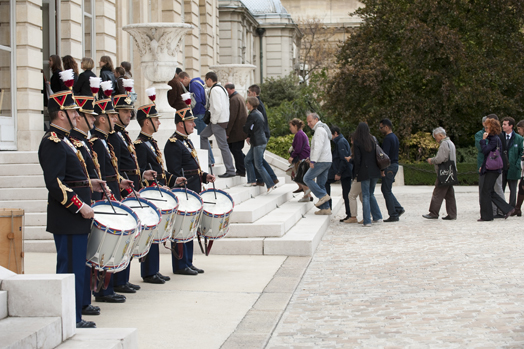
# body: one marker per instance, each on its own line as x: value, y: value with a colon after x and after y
x: 514, y: 153
x: 480, y: 155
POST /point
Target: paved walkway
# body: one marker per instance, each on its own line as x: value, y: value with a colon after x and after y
x: 413, y: 284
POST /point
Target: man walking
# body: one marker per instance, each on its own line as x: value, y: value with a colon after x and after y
x: 340, y: 168
x: 234, y: 132
x: 218, y: 106
x: 390, y: 146
x: 320, y: 162
x: 512, y: 146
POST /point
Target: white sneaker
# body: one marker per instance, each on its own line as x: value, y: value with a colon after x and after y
x: 307, y: 192
x: 306, y: 199
x: 367, y: 225
x: 324, y: 212
x: 322, y: 200
x: 250, y: 185
x: 271, y: 189
x: 378, y: 221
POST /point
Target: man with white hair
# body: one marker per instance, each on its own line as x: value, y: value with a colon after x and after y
x: 446, y: 151
x: 320, y: 162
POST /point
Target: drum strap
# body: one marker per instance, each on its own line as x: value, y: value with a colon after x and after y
x: 207, y: 245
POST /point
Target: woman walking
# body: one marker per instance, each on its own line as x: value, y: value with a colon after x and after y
x: 82, y: 85
x: 55, y: 64
x: 255, y: 130
x: 367, y: 172
x: 491, y: 142
x: 300, y: 152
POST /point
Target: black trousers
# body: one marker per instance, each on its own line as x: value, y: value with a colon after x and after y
x: 236, y: 150
x: 346, y: 187
x: 488, y: 196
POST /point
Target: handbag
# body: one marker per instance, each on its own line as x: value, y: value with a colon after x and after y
x: 303, y: 167
x: 383, y: 160
x: 207, y: 117
x: 494, y: 161
x: 447, y: 173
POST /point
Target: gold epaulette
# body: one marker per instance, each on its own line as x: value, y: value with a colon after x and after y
x: 173, y: 139
x: 53, y: 137
x: 77, y: 143
x: 93, y: 139
x: 138, y: 141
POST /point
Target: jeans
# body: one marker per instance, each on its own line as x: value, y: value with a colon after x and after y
x: 201, y: 125
x: 320, y: 172
x: 255, y: 156
x: 369, y: 202
x: 269, y: 171
x: 387, y: 182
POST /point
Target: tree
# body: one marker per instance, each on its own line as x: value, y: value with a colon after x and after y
x: 318, y: 47
x: 428, y: 63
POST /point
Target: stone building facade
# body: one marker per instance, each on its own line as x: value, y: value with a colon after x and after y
x: 224, y: 32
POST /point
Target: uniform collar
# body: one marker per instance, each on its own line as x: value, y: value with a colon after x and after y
x: 77, y: 131
x: 181, y: 135
x: 119, y: 127
x: 145, y: 136
x: 104, y: 135
x: 58, y: 130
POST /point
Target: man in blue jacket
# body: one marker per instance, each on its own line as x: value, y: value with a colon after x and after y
x: 198, y: 104
x: 340, y: 169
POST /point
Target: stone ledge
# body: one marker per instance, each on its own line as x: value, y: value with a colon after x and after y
x: 30, y: 332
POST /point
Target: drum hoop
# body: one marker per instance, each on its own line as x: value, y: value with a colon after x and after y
x: 153, y: 206
x: 189, y: 192
x: 116, y: 231
x: 166, y: 192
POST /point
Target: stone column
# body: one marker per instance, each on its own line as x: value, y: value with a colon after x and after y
x: 192, y: 40
x: 71, y: 29
x: 242, y: 75
x: 208, y: 34
x: 30, y: 121
x: 105, y: 30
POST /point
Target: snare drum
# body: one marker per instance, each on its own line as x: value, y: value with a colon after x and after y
x: 216, y: 212
x: 150, y: 218
x: 112, y: 236
x: 167, y: 203
x: 188, y: 215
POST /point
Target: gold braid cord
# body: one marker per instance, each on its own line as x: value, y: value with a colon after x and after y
x: 64, y: 191
x: 97, y: 164
x: 84, y: 168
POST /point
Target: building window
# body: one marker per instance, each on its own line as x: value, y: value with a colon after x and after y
x: 7, y: 75
x: 88, y: 29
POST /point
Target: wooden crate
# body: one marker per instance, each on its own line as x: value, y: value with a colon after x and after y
x: 12, y: 239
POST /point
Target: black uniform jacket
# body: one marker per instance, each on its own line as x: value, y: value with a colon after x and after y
x: 107, y: 160
x: 126, y: 155
x: 80, y: 141
x: 181, y: 154
x: 148, y: 153
x: 63, y: 169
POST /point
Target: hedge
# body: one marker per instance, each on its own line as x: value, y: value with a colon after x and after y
x: 424, y: 174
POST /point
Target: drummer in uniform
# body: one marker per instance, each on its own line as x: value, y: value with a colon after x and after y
x: 69, y: 211
x: 79, y: 138
x: 181, y: 154
x: 109, y: 172
x: 149, y: 154
x: 128, y: 168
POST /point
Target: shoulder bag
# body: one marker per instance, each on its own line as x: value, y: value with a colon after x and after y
x: 383, y: 160
x: 494, y: 161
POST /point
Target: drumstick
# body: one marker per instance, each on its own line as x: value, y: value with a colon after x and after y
x: 156, y: 181
x: 212, y: 203
x: 107, y: 197
x: 111, y: 213
x: 134, y: 192
x: 214, y: 189
x: 185, y: 186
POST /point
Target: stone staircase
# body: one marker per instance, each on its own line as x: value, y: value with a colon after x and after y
x: 31, y: 318
x: 261, y: 224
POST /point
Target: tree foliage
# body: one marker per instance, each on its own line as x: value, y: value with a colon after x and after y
x: 429, y: 63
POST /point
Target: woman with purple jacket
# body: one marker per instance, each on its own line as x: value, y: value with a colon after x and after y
x: 300, y: 152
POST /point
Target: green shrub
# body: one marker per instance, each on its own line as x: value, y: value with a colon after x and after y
x: 280, y: 145
x: 424, y: 174
x: 467, y: 155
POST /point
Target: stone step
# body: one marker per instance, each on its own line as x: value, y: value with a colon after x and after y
x: 98, y: 338
x: 18, y: 157
x: 304, y: 237
x: 274, y: 224
x: 37, y: 232
x: 44, y: 246
x: 29, y: 206
x: 31, y: 332
x: 21, y: 169
x: 3, y: 304
x: 35, y: 218
x: 34, y: 181
x: 23, y: 194
x: 253, y: 209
